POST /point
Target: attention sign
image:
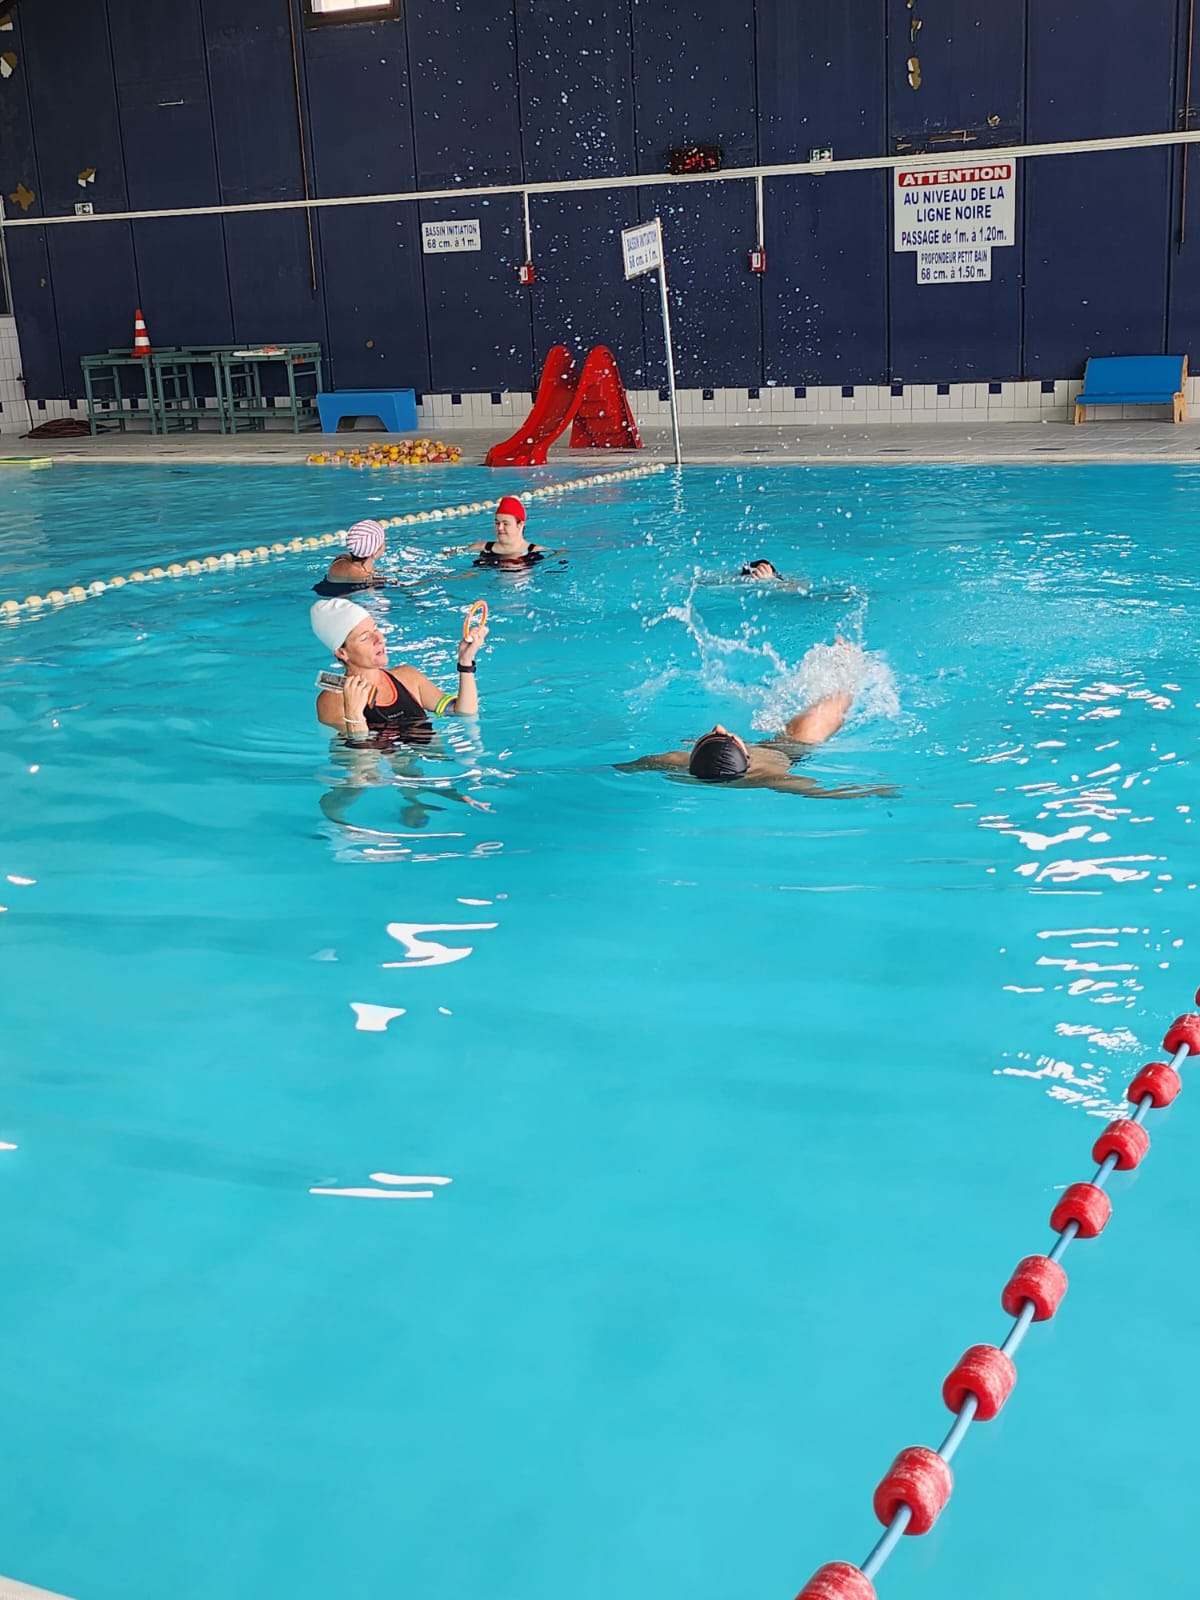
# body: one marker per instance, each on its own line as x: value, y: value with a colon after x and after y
x: 954, y: 216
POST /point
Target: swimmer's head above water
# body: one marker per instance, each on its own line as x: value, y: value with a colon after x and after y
x: 510, y: 520
x: 365, y: 539
x: 758, y: 568
x: 349, y: 632
x: 719, y: 757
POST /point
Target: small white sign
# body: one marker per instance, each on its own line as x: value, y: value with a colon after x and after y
x: 954, y: 206
x: 642, y: 247
x: 969, y: 264
x: 439, y: 237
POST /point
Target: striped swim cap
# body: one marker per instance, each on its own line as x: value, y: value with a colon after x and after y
x: 365, y: 539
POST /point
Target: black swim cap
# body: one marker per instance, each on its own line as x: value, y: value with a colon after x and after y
x: 718, y: 758
x: 759, y: 561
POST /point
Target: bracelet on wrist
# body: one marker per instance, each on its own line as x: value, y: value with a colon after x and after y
x: 466, y: 666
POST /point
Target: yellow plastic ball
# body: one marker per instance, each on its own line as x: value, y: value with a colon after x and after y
x: 77, y: 593
x: 33, y: 601
x: 9, y: 606
x: 97, y: 587
x: 56, y: 597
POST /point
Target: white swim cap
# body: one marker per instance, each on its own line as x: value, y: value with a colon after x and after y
x: 333, y: 621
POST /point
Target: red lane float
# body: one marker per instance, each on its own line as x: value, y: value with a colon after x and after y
x: 1159, y: 1080
x: 919, y: 1482
x: 1184, y: 1030
x: 1086, y: 1206
x: 838, y: 1580
x: 988, y: 1374
x: 1126, y: 1140
x: 1038, y: 1280
x: 918, y: 1479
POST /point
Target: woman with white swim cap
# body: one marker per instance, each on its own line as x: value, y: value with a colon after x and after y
x: 355, y: 569
x: 374, y: 699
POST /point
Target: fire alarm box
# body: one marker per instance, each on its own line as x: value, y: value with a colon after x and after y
x: 526, y: 273
x: 758, y: 259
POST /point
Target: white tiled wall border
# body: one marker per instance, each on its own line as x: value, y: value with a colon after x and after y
x: 1026, y: 400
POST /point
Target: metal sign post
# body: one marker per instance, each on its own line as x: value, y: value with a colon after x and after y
x: 643, y: 251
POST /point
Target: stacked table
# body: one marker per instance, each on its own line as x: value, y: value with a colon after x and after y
x: 240, y: 388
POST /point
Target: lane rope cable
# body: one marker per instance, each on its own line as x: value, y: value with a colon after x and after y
x: 34, y: 604
x: 917, y: 1485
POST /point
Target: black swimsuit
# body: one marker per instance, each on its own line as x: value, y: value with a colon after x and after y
x: 490, y: 557
x: 405, y: 718
x: 332, y: 588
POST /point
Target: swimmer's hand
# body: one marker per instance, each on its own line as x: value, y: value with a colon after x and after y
x: 470, y: 647
x: 357, y: 694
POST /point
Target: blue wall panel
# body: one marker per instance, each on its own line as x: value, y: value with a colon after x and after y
x: 825, y: 291
x: 1099, y: 71
x: 270, y: 285
x: 577, y: 118
x: 466, y: 114
x: 1095, y: 258
x: 716, y: 302
x: 822, y: 78
x: 580, y: 298
x: 28, y: 259
x: 25, y: 248
x: 693, y: 78
x: 346, y: 69
x: 577, y: 107
x: 972, y: 59
x: 183, y: 280
x: 694, y: 82
x: 162, y: 92
x: 74, y: 104
x: 1183, y: 252
x: 972, y: 73
x: 95, y: 292
x: 480, y: 330
x: 253, y: 99
x: 372, y: 287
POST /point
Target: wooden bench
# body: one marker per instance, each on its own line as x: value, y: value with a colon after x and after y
x: 1134, y: 381
x: 395, y: 410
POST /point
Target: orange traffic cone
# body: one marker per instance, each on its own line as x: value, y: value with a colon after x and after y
x: 141, y: 339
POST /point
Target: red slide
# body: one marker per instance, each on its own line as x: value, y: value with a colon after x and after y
x: 593, y: 402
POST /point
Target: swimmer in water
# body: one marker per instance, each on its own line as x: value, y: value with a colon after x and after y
x: 374, y: 700
x: 720, y: 756
x: 509, y: 549
x: 355, y: 569
x: 764, y: 571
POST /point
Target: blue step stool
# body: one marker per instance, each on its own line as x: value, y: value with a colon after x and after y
x: 394, y: 409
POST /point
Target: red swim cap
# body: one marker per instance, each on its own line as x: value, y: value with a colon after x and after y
x: 510, y: 506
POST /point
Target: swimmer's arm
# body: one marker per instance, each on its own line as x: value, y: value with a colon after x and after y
x: 463, y: 549
x: 331, y: 711
x: 464, y: 704
x: 667, y: 761
x: 794, y: 783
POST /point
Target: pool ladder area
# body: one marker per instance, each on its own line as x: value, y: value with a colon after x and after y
x: 914, y: 1490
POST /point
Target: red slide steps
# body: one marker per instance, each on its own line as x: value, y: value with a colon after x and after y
x: 593, y: 402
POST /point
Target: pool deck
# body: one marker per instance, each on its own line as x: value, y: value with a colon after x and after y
x: 811, y: 443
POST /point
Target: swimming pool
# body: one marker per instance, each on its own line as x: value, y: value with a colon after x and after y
x: 748, y: 1103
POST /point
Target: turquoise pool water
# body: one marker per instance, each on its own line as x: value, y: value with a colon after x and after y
x: 748, y: 1103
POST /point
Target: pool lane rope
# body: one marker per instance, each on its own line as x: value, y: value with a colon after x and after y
x: 917, y: 1485
x: 14, y: 610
